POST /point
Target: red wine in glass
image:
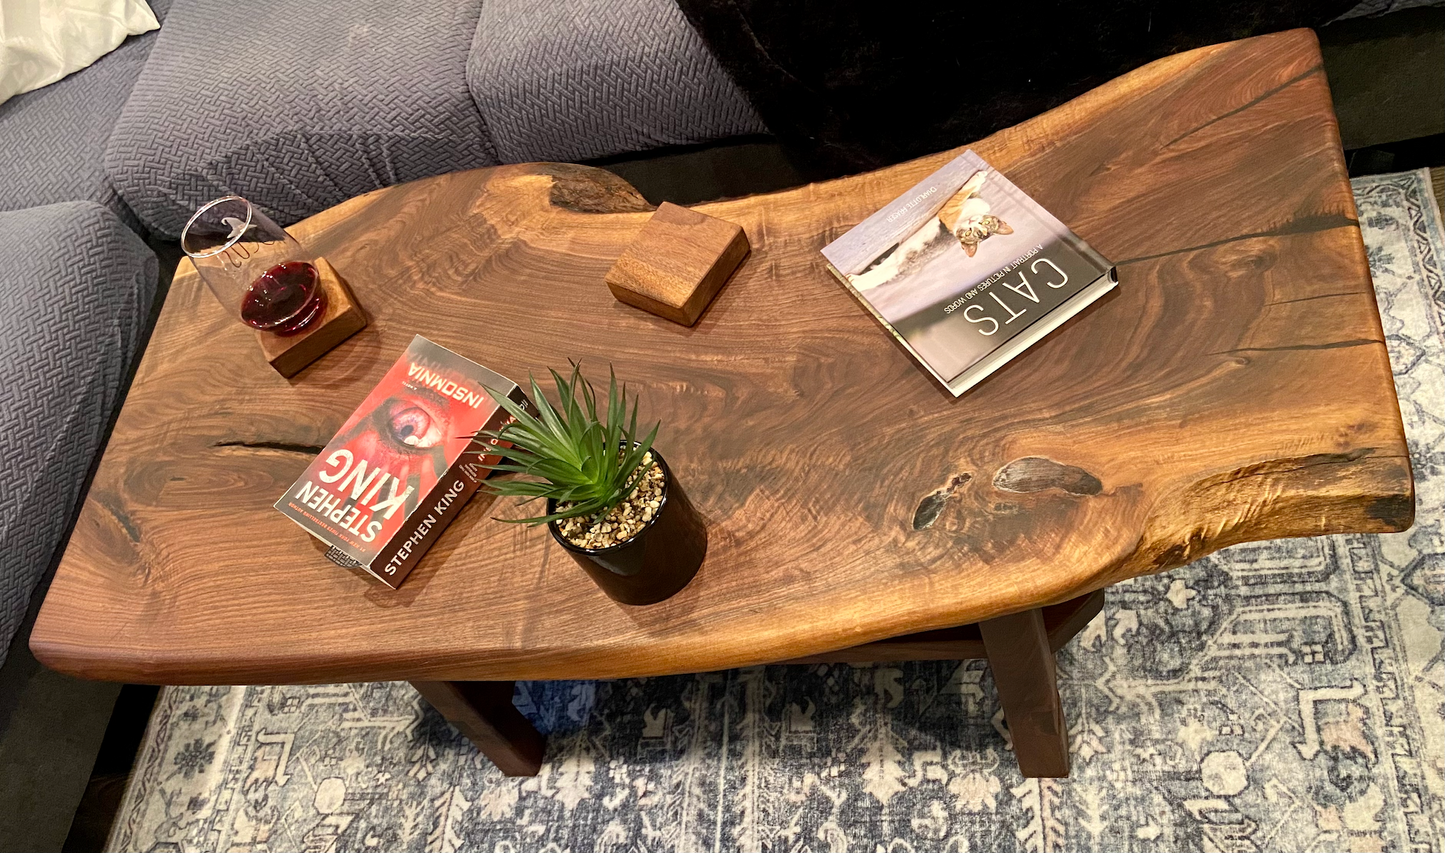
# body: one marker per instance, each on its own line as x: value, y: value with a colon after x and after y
x: 285, y: 299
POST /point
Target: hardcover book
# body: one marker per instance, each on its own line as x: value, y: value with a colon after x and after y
x: 404, y: 463
x: 967, y: 271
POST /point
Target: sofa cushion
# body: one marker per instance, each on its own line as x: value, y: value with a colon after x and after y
x: 578, y: 79
x: 54, y: 138
x: 76, y: 287
x: 296, y: 106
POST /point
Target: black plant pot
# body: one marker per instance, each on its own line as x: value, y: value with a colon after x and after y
x: 656, y: 563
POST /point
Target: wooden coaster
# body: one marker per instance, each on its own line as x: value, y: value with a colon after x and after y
x: 343, y: 319
x: 678, y: 263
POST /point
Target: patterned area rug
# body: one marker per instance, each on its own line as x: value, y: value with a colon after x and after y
x: 1275, y: 696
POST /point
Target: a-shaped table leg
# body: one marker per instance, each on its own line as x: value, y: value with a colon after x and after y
x: 483, y: 711
x: 1023, y: 668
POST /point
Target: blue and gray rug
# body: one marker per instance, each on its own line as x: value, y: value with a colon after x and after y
x: 1278, y: 696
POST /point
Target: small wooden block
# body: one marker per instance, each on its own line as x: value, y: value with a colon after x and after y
x: 678, y: 263
x: 343, y: 319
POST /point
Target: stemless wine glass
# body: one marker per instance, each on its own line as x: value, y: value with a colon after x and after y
x: 254, y: 267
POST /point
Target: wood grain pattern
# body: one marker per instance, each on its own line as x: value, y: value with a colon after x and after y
x: 1235, y: 387
x: 344, y: 317
x: 679, y: 261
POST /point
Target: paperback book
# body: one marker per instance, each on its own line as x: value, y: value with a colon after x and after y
x: 405, y: 462
x: 967, y: 271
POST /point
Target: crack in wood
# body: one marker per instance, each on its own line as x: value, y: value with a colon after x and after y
x: 1397, y: 511
x: 1038, y: 473
x: 286, y: 446
x: 1317, y: 296
x: 1258, y: 100
x: 1302, y: 225
x: 1297, y: 347
x: 933, y: 502
x: 1289, y: 466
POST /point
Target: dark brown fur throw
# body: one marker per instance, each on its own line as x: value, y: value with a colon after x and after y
x: 856, y: 84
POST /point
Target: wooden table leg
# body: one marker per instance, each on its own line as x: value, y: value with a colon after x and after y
x: 483, y: 711
x: 1023, y: 668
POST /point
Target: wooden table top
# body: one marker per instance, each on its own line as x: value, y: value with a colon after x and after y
x: 1235, y: 387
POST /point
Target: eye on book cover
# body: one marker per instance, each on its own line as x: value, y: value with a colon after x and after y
x: 403, y: 464
x: 967, y: 270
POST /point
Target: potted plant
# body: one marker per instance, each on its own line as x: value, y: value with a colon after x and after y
x: 612, y: 501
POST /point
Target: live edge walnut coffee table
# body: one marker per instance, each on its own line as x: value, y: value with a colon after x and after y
x: 1234, y: 387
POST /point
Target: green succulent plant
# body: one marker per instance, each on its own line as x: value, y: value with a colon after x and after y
x: 576, y: 454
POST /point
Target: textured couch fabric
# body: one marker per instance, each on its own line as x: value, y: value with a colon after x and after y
x: 578, y: 79
x: 296, y: 106
x: 75, y: 293
x: 52, y: 140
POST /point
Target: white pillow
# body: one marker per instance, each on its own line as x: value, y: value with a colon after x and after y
x: 41, y: 41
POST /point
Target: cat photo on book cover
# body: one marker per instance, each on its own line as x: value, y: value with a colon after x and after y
x: 965, y: 218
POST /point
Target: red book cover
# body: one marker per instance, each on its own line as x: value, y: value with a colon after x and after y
x: 404, y: 463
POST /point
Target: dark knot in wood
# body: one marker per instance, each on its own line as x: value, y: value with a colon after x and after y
x: 1037, y: 473
x: 1397, y: 511
x: 933, y: 502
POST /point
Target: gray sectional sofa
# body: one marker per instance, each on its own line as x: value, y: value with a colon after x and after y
x: 322, y: 102
x: 77, y: 286
x: 77, y: 283
x: 298, y: 107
